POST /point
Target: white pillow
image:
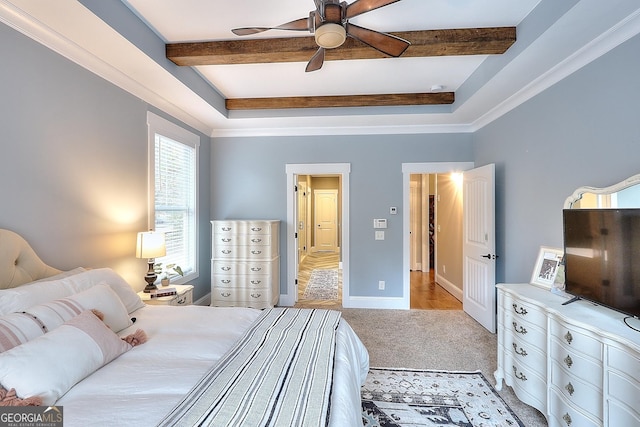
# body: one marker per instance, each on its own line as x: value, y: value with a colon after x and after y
x: 23, y: 297
x: 51, y: 364
x: 18, y: 328
x: 54, y: 313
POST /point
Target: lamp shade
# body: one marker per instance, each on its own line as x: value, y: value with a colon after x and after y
x: 151, y: 244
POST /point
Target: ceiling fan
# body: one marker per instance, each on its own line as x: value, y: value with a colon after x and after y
x: 329, y: 23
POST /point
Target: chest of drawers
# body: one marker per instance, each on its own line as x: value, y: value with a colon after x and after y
x: 245, y: 263
x: 579, y: 364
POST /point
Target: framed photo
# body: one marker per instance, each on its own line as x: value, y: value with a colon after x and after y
x: 548, y: 264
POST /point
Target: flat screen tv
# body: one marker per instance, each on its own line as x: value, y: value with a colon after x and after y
x: 602, y: 257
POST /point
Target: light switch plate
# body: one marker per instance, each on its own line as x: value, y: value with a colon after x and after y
x: 379, y: 235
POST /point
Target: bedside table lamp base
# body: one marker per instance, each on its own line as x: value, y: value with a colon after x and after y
x: 150, y: 278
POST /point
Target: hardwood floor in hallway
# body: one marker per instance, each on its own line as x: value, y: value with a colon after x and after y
x: 426, y: 294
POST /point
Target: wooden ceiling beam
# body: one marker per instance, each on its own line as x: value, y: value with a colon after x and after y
x: 340, y: 101
x: 467, y: 41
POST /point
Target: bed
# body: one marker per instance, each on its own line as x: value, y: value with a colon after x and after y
x: 193, y: 355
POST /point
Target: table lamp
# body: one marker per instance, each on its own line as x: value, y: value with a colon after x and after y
x: 150, y: 244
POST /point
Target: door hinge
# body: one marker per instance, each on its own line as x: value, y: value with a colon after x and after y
x: 295, y: 236
x: 296, y: 281
x: 295, y: 188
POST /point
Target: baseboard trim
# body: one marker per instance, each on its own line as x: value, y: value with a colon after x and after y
x: 398, y: 303
x: 450, y: 287
x: 205, y: 300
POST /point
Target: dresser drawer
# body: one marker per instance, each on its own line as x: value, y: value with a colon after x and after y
x: 524, y: 331
x: 576, y: 339
x: 249, y: 228
x: 622, y: 415
x: 524, y: 311
x: 522, y: 378
x: 241, y: 267
x: 526, y: 354
x: 241, y: 240
x: 251, y: 281
x: 233, y: 297
x: 624, y: 392
x: 566, y: 415
x: 576, y: 364
x: 576, y: 391
x: 244, y: 252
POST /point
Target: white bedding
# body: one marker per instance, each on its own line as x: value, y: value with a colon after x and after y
x: 142, y: 385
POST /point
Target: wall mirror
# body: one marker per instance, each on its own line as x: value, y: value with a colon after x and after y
x: 625, y: 194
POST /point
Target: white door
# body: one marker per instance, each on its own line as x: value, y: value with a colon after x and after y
x: 479, y: 258
x: 326, y: 218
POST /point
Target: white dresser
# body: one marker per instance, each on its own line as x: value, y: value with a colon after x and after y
x: 579, y: 364
x: 245, y: 264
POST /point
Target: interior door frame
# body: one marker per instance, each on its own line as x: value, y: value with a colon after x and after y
x: 292, y: 171
x: 407, y: 170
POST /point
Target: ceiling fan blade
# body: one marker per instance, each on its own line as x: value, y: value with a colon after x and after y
x: 359, y: 7
x: 385, y: 43
x: 315, y: 63
x: 301, y: 24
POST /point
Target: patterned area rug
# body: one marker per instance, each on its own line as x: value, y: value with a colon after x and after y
x: 409, y: 398
x: 323, y: 284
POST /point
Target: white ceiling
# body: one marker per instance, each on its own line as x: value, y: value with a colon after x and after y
x: 553, y: 39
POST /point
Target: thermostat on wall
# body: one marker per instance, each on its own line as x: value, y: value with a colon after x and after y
x: 380, y: 223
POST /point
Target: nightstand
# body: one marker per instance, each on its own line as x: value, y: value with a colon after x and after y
x: 184, y: 296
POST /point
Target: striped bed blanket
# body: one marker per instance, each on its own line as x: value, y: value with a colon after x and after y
x: 278, y: 374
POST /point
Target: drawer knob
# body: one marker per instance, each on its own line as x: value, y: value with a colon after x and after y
x: 225, y: 294
x: 256, y: 252
x: 519, y: 329
x: 226, y: 251
x: 568, y: 337
x: 226, y: 281
x: 256, y: 240
x: 519, y: 310
x: 226, y: 228
x: 182, y: 300
x: 570, y: 389
x: 519, y: 375
x: 521, y: 352
x: 568, y: 361
x: 256, y: 295
x: 256, y: 282
x: 256, y: 268
x: 226, y: 268
x: 567, y: 418
x: 256, y: 228
x: 226, y: 240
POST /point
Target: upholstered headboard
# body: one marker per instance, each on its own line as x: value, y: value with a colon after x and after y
x: 19, y: 263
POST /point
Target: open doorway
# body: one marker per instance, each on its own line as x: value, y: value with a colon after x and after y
x: 300, y: 240
x: 319, y: 215
x: 426, y: 285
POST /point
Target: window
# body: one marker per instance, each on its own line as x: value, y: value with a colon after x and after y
x: 173, y: 192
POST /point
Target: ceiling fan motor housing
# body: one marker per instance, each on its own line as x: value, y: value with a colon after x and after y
x: 331, y: 33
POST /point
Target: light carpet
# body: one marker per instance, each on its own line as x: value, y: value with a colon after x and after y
x: 322, y: 285
x: 409, y: 398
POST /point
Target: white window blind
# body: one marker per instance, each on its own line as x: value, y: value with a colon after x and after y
x: 174, y: 159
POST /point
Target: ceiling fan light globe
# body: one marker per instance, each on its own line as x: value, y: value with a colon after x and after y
x: 330, y: 35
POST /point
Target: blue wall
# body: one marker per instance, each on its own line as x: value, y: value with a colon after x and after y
x: 74, y: 149
x: 584, y: 130
x: 249, y: 181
